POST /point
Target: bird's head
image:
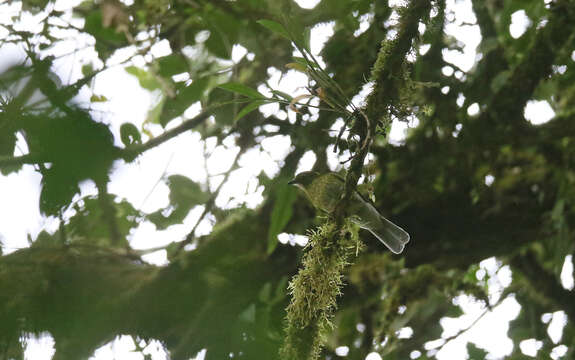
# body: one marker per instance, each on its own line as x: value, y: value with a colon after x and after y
x: 303, y: 179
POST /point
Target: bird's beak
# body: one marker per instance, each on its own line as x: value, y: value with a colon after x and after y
x: 291, y: 182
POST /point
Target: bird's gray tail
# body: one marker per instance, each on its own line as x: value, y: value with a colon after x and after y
x: 390, y: 235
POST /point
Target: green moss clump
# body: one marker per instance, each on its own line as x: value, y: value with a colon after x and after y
x: 315, y: 288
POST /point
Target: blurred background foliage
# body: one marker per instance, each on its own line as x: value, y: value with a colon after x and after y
x: 473, y: 179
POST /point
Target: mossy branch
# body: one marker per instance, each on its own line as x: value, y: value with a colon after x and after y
x: 390, y: 80
x: 331, y: 247
x: 316, y: 287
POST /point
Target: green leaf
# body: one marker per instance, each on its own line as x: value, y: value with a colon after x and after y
x: 183, y: 100
x: 224, y: 29
x: 224, y: 114
x: 283, y: 95
x: 475, y: 353
x: 145, y: 78
x: 186, y: 192
x: 171, y: 65
x: 249, y: 108
x: 242, y: 90
x: 281, y: 214
x: 275, y: 27
x: 98, y: 98
x: 129, y: 134
x: 303, y: 62
x: 107, y: 38
x: 184, y: 195
x: 87, y: 69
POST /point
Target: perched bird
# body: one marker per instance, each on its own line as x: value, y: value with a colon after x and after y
x: 325, y: 190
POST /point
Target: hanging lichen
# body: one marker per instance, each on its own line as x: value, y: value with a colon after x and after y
x: 315, y: 288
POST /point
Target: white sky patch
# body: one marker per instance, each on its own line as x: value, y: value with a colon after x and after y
x: 447, y: 70
x: 473, y: 109
x: 318, y: 36
x: 40, y: 347
x: 530, y: 347
x: 221, y: 159
x: 556, y: 326
x: 123, y: 347
x: 334, y: 160
x: 238, y: 52
x: 567, y: 273
x: 364, y: 24
x: 307, y: 4
x: 460, y: 99
x: 396, y: 3
x: 457, y: 130
x: 277, y: 146
x: 489, y: 179
x: 293, y: 239
x: 559, y: 69
x: 342, y: 351
x: 468, y: 35
x: 21, y: 191
x: 306, y: 162
x: 373, y: 356
x: 558, y: 352
x: 161, y: 48
x: 405, y: 333
x: 520, y: 22
x: 538, y: 112
x: 424, y: 48
x: 399, y: 130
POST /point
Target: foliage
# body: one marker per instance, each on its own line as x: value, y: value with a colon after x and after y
x: 467, y: 185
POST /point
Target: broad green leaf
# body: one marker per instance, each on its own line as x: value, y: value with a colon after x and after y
x: 281, y: 214
x: 275, y: 27
x: 224, y: 29
x: 242, y: 90
x: 129, y: 134
x: 183, y: 100
x: 171, y: 65
x: 145, y: 78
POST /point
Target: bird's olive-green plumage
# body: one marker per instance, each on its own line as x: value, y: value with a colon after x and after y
x: 325, y: 190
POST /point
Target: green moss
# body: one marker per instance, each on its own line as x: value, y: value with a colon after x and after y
x: 315, y: 288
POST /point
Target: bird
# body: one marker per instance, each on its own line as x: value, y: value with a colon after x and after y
x: 324, y: 191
